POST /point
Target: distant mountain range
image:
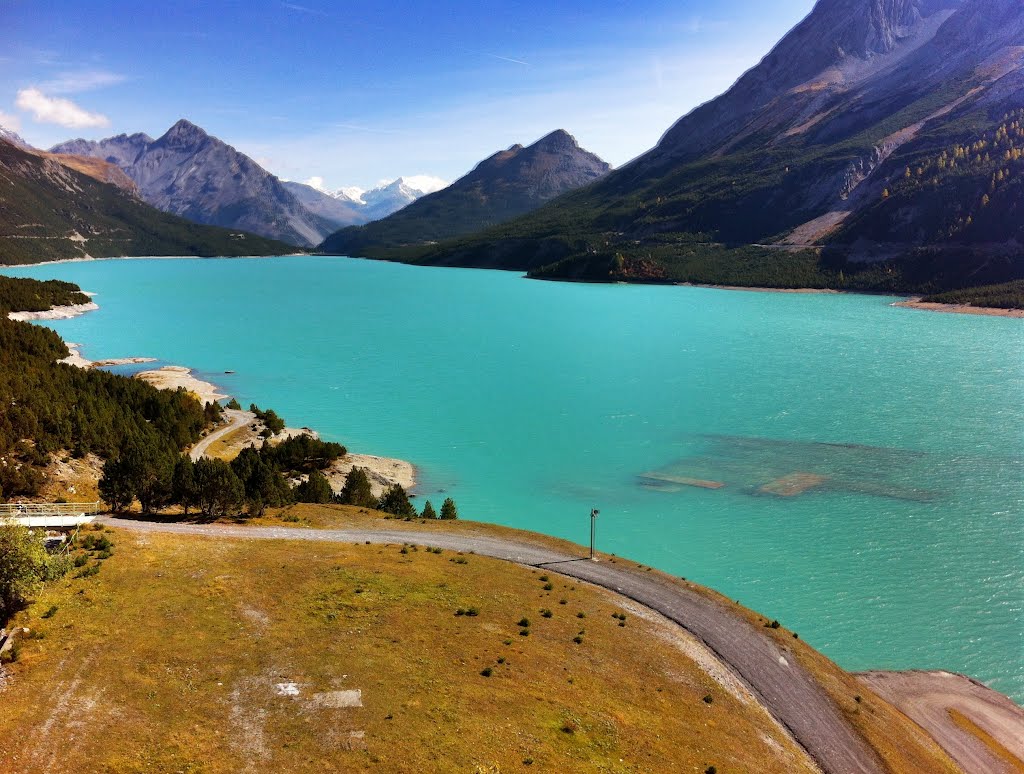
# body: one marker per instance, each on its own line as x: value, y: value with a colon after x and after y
x: 190, y: 173
x: 354, y: 206
x: 507, y: 184
x: 878, y: 146
x: 55, y: 206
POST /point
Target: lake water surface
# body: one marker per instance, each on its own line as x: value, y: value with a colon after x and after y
x: 532, y: 402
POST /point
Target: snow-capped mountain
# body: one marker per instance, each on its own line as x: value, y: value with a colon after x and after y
x: 354, y: 206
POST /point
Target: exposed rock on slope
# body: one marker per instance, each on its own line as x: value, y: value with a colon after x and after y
x: 190, y: 173
x: 50, y: 210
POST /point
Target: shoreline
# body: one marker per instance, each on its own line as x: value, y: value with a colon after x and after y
x: 985, y: 311
x: 909, y: 302
x: 55, y: 312
x: 383, y: 471
x: 91, y: 259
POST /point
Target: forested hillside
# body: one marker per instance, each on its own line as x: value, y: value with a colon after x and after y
x: 50, y: 406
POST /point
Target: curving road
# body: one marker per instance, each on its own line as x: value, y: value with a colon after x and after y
x: 239, y: 419
x: 788, y: 691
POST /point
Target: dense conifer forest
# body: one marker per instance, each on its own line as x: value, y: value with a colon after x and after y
x: 50, y: 406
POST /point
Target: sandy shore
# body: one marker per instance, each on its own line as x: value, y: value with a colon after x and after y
x: 982, y: 730
x: 173, y: 377
x: 929, y: 306
x: 55, y: 313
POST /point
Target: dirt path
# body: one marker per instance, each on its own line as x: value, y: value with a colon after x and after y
x: 782, y: 686
x: 927, y: 698
x: 239, y: 419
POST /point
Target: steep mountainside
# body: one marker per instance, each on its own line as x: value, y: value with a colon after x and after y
x: 875, y: 147
x: 189, y: 173
x: 509, y: 183
x: 49, y: 211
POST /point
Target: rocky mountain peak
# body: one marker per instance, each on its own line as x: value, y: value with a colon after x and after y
x: 183, y: 134
x: 558, y: 140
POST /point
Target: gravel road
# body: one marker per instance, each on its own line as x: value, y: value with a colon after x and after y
x: 238, y: 419
x: 788, y: 691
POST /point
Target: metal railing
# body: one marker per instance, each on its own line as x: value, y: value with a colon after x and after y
x: 22, y: 510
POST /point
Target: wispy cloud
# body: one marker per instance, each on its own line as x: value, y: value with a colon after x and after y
x: 507, y: 59
x: 73, y: 82
x: 55, y: 110
x: 10, y: 121
x: 497, y: 56
x: 303, y: 9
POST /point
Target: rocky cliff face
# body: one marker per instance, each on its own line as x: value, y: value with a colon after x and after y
x: 509, y: 183
x: 842, y: 44
x: 190, y: 173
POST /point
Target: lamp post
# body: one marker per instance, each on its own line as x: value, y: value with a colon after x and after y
x: 593, y: 524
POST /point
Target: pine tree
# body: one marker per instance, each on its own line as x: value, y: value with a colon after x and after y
x: 315, y: 489
x: 428, y: 511
x: 183, y: 483
x: 357, y: 490
x: 448, y: 509
x: 396, y: 502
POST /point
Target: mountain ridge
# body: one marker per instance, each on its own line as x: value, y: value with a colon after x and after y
x: 190, y: 173
x: 733, y: 192
x: 51, y: 210
x: 505, y: 184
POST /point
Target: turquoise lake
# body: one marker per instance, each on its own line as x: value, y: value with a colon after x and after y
x: 532, y: 402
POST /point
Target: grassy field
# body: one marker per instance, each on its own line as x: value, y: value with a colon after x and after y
x: 188, y: 654
x: 902, y: 745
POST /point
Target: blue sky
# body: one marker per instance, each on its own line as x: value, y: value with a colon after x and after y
x: 355, y: 93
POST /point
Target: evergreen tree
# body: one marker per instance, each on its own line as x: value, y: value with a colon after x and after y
x: 220, y: 493
x: 116, y: 486
x: 357, y: 490
x: 396, y: 502
x: 448, y: 509
x: 184, y: 491
x: 428, y: 511
x: 315, y: 489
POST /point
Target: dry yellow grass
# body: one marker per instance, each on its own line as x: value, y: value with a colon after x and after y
x: 965, y: 723
x: 170, y: 658
x: 229, y: 446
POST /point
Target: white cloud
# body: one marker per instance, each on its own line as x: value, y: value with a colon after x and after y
x: 316, y: 182
x: 54, y: 110
x: 10, y: 121
x: 73, y: 82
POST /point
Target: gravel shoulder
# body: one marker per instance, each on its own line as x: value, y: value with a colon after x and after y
x: 782, y: 686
